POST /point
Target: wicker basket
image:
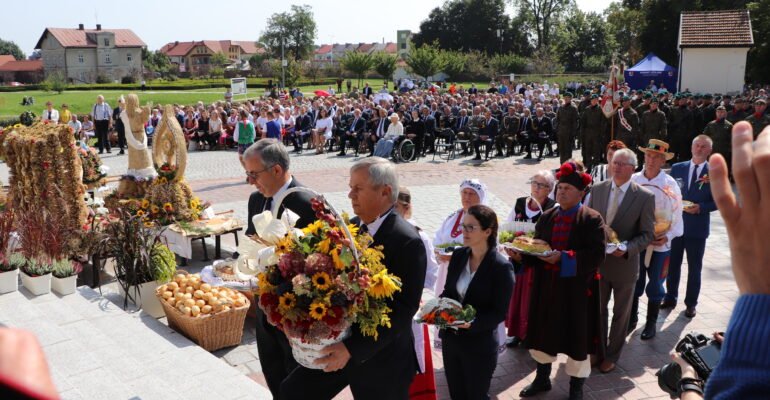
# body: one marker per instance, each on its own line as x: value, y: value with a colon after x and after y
x: 211, y: 331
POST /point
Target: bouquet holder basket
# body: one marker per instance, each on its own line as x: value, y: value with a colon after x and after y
x: 521, y: 226
x: 210, y: 331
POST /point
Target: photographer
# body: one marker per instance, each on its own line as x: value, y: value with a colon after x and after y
x: 743, y: 371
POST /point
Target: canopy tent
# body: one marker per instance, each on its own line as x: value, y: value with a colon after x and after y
x: 651, y: 68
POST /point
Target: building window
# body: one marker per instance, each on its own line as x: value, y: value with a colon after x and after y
x: 81, y: 59
x: 403, y: 46
x: 129, y: 58
x: 106, y: 42
x: 107, y: 59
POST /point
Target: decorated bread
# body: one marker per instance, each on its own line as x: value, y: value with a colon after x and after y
x: 531, y: 245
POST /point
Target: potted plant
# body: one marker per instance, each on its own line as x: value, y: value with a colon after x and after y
x: 65, y: 275
x: 36, y: 276
x: 9, y: 272
x: 142, y: 261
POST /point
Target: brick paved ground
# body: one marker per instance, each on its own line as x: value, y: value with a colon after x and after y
x: 217, y: 177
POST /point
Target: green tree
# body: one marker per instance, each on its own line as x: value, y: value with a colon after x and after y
x: 56, y: 81
x: 156, y: 61
x: 295, y: 29
x: 385, y: 65
x: 506, y: 63
x: 626, y: 25
x: 582, y: 36
x: 293, y: 71
x: 425, y: 61
x: 455, y: 63
x: 759, y: 55
x: 9, y: 47
x: 544, y: 15
x: 359, y: 64
x: 219, y: 59
x: 545, y: 61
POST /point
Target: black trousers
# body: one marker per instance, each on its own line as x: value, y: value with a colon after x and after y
x: 469, y: 362
x: 542, y: 142
x: 121, y: 136
x: 101, y: 128
x: 274, y: 354
x: 347, y: 136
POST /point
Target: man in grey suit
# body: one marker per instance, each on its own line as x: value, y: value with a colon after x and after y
x: 629, y: 210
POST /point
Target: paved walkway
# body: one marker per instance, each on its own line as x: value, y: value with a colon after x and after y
x: 218, y: 177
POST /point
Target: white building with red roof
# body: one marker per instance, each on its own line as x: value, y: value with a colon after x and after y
x: 83, y: 55
x: 196, y: 55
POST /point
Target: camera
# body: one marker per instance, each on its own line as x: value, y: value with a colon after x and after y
x: 700, y: 352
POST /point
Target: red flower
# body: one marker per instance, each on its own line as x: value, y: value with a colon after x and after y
x: 268, y: 300
x: 597, y: 275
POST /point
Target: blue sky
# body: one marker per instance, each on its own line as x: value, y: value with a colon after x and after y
x: 158, y: 22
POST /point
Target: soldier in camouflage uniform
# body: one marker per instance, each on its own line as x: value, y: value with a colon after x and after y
x: 708, y: 109
x: 759, y: 119
x: 626, y: 123
x: 642, y: 108
x: 653, y: 125
x: 697, y: 116
x: 567, y: 119
x: 592, y: 127
x: 507, y: 136
x: 720, y: 131
x: 738, y: 113
x: 585, y: 103
x: 681, y: 130
x: 664, y: 103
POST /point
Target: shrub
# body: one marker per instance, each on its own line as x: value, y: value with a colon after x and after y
x: 128, y: 79
x: 103, y: 79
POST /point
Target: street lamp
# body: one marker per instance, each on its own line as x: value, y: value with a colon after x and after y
x: 500, y: 36
x: 283, y: 65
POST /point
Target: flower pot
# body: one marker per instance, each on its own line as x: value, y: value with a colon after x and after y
x: 36, y: 285
x: 146, y: 300
x: 307, y: 353
x: 9, y: 281
x: 64, y: 286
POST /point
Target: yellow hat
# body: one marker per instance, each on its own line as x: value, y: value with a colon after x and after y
x: 657, y: 146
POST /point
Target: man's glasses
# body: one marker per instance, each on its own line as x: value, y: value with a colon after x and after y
x: 469, y: 228
x: 254, y: 175
x: 539, y: 185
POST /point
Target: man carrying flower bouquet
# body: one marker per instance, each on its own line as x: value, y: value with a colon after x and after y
x: 267, y: 168
x: 564, y: 310
x: 380, y: 367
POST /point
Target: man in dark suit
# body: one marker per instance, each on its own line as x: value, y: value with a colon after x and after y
x: 303, y: 125
x: 267, y: 168
x: 354, y: 132
x: 541, y: 134
x: 629, y: 212
x: 486, y: 135
x: 367, y: 91
x: 693, y: 176
x: 382, y: 368
x: 429, y: 120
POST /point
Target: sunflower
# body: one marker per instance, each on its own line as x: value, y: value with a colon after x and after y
x: 148, y: 224
x: 154, y: 209
x: 195, y: 203
x: 168, y: 207
x: 336, y: 259
x: 317, y: 310
x: 383, y: 285
x: 140, y: 213
x: 324, y: 245
x: 313, y: 228
x: 145, y: 204
x: 284, y: 245
x: 286, y: 302
x: 162, y: 180
x: 321, y: 280
x: 353, y: 228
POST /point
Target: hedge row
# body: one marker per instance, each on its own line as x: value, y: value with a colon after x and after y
x: 177, y: 85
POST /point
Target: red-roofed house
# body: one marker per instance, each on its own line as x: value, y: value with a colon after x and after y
x: 6, y: 58
x: 85, y: 54
x: 195, y: 56
x: 323, y: 53
x: 24, y: 71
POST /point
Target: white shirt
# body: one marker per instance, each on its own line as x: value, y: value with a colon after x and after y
x: 283, y: 188
x: 698, y: 169
x: 324, y: 126
x: 666, y: 182
x: 262, y: 124
x: 623, y: 190
x: 52, y: 115
x: 101, y: 112
x: 76, y: 126
x: 464, y: 280
x: 394, y: 130
x: 377, y: 223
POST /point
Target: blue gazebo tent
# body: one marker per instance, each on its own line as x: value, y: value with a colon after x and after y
x: 651, y: 68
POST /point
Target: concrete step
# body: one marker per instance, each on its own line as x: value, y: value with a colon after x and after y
x: 98, y: 351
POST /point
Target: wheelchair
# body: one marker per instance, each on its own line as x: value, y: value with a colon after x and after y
x: 404, y: 150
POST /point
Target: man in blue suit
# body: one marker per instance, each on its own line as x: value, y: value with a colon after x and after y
x: 692, y: 176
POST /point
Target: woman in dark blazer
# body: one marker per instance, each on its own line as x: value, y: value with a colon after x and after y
x: 481, y: 277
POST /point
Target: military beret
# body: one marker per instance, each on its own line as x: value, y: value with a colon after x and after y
x: 721, y: 108
x: 707, y: 96
x: 625, y: 98
x: 568, y: 94
x: 654, y: 100
x: 587, y: 93
x: 594, y: 96
x: 698, y: 95
x: 727, y: 96
x: 688, y: 94
x: 647, y: 95
x: 663, y: 91
x: 678, y: 96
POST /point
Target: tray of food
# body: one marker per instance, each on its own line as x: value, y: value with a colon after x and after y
x: 530, y: 246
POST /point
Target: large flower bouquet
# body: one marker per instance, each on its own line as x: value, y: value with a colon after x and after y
x: 93, y: 170
x: 314, y: 287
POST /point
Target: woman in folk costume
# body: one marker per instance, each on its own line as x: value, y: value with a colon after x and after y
x: 526, y: 209
x: 424, y: 384
x: 564, y: 309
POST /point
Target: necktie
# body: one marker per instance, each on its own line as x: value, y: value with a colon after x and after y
x: 50, y: 114
x: 363, y: 228
x: 379, y: 130
x: 694, y: 179
x: 613, y: 205
x: 268, y: 204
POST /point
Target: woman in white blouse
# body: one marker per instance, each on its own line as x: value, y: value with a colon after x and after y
x: 385, y: 145
x: 322, y: 131
x: 215, y: 130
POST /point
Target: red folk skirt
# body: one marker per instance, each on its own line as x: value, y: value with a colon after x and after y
x: 424, y: 385
x: 518, y: 309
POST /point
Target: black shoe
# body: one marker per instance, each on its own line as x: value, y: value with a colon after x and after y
x: 342, y: 153
x: 528, y: 157
x: 499, y: 154
x: 634, y: 316
x: 542, y: 382
x: 667, y: 304
x: 690, y: 312
x: 476, y: 158
x: 101, y: 152
x: 651, y: 327
x: 120, y: 153
x: 576, y: 388
x: 515, y: 342
x: 109, y: 151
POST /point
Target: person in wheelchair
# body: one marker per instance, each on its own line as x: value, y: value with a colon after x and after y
x: 354, y: 132
x: 385, y: 145
x: 415, y: 131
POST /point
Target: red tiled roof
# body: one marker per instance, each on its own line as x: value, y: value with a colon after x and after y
x: 6, y: 58
x: 177, y: 49
x: 181, y: 49
x: 365, y: 47
x: 80, y: 38
x: 325, y: 48
x: 727, y: 28
x: 22, y: 66
x: 390, y: 48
